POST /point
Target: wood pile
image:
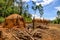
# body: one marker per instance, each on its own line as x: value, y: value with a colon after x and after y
x: 41, y: 21
x: 14, y: 23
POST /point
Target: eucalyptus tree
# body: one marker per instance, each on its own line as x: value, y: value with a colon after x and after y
x: 58, y: 14
x: 37, y: 7
x: 6, y: 6
x: 11, y: 7
x: 26, y: 9
x: 25, y: 13
x: 57, y: 20
x: 29, y: 15
x: 20, y: 6
x: 40, y: 9
x: 2, y: 6
x: 58, y: 17
x: 34, y: 8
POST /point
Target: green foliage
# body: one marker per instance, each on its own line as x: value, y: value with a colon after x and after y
x: 56, y: 21
x: 27, y: 19
x: 2, y: 3
x: 58, y: 14
x: 34, y: 6
x: 40, y: 9
x: 7, y: 8
x: 29, y: 15
x: 2, y: 6
x: 1, y: 19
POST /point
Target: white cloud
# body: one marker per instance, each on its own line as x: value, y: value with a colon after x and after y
x: 22, y: 1
x: 53, y: 18
x: 25, y: 0
x: 36, y: 16
x: 45, y: 2
x: 58, y: 8
x: 34, y: 0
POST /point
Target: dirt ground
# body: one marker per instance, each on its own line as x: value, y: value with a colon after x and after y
x: 49, y: 32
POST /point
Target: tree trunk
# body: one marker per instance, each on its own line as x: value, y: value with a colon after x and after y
x: 34, y: 21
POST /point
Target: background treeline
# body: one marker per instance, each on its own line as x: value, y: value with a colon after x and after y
x: 57, y: 19
x: 8, y: 7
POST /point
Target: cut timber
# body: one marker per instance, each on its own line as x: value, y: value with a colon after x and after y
x: 14, y: 20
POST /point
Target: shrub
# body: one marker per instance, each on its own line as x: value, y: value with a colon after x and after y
x: 27, y: 19
x: 1, y: 19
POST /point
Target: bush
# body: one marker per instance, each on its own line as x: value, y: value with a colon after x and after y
x: 56, y: 21
x: 27, y: 19
x: 1, y: 19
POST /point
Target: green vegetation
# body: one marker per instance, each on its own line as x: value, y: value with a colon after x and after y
x: 28, y: 19
x: 35, y: 8
x: 1, y: 19
x: 57, y: 20
x: 8, y: 7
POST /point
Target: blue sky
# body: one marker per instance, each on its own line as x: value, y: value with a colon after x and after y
x: 50, y: 8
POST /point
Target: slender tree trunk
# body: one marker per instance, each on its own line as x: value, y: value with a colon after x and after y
x: 34, y: 20
x: 20, y: 7
x: 3, y: 14
x: 40, y: 18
